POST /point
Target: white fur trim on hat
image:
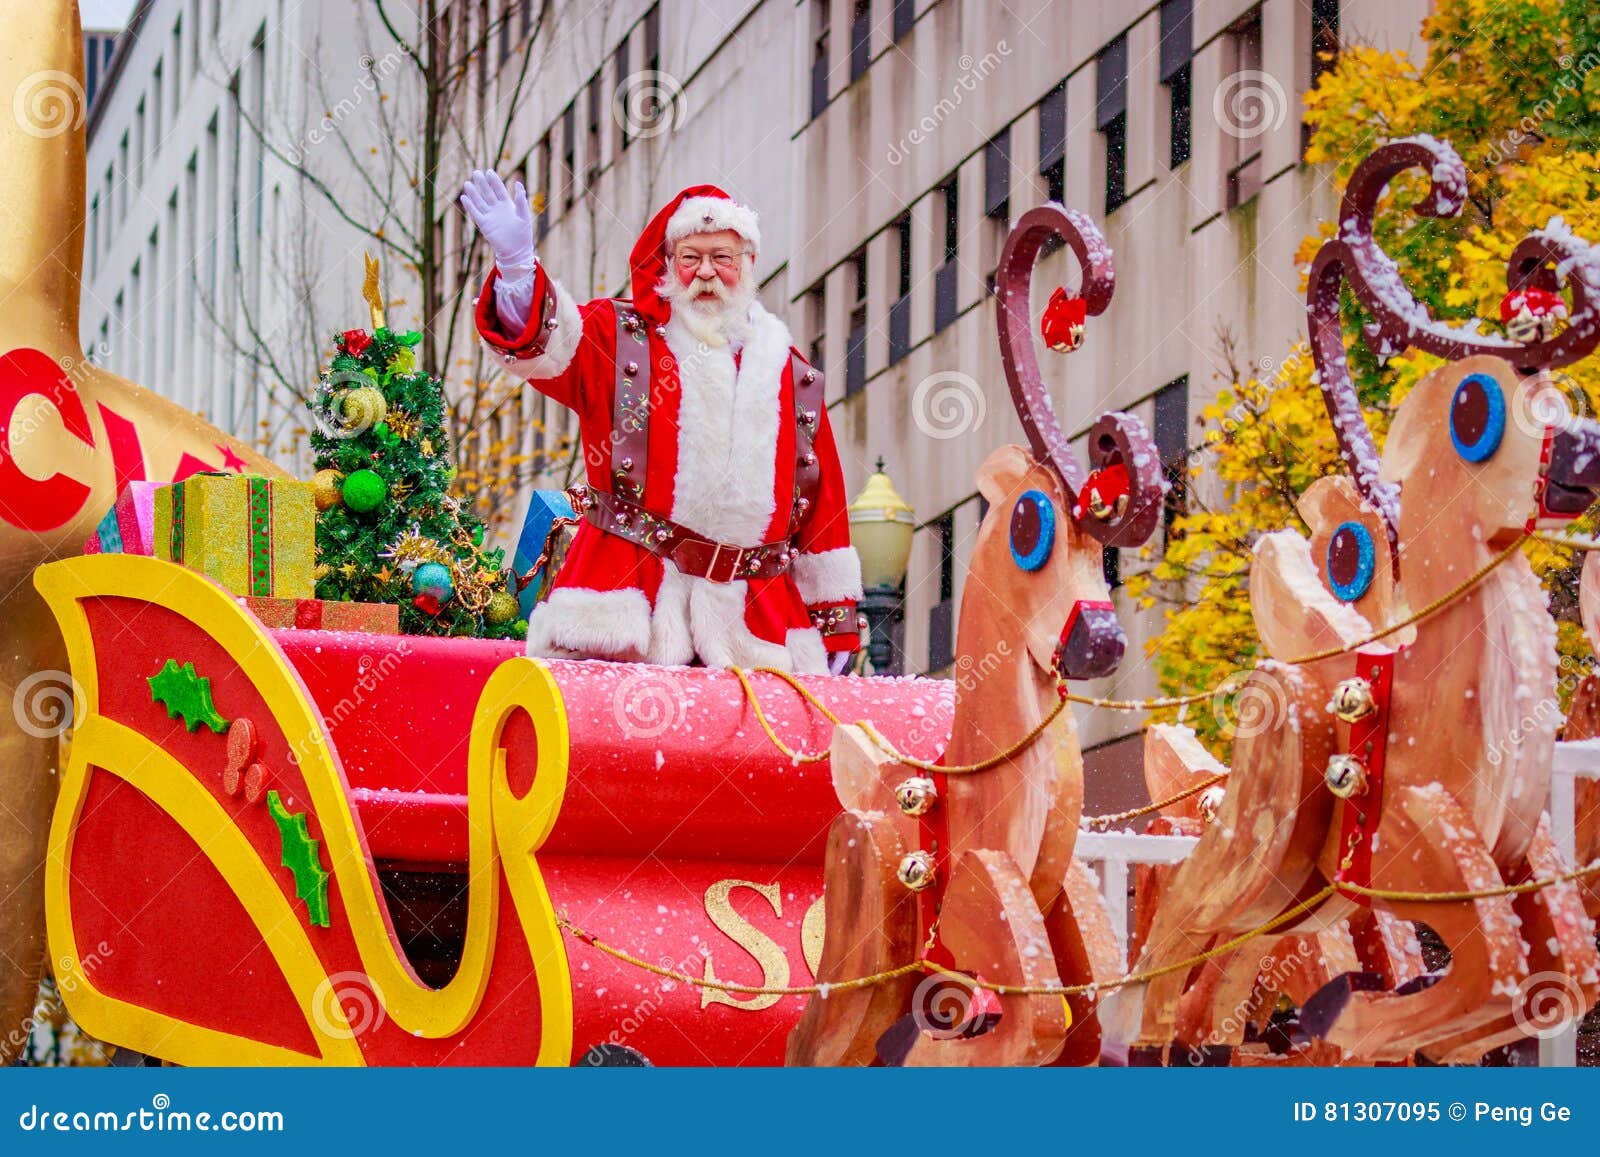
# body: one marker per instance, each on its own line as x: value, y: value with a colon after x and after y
x: 712, y: 215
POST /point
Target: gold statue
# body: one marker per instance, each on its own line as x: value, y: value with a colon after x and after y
x: 69, y: 434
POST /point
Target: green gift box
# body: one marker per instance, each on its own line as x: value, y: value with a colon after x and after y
x: 254, y: 535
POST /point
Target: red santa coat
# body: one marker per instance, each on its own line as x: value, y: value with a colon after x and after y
x: 720, y: 461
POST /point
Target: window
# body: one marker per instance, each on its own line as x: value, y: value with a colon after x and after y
x: 1177, y: 46
x: 855, y: 352
x: 620, y: 63
x: 122, y: 178
x: 157, y: 87
x: 177, y: 64
x: 591, y: 147
x: 860, y: 39
x: 997, y: 175
x: 94, y: 234
x: 652, y: 38
x: 1171, y: 423
x: 1240, y: 143
x: 138, y: 144
x: 527, y: 17
x: 1111, y: 567
x: 905, y: 16
x: 941, y: 619
x: 569, y: 154
x: 1324, y: 50
x: 505, y: 31
x: 817, y: 319
x: 1111, y: 117
x: 1053, y: 141
x: 820, y: 19
x: 900, y: 311
x: 946, y: 307
x: 194, y: 36
x: 542, y: 189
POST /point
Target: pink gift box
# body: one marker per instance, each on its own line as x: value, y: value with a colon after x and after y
x: 129, y: 526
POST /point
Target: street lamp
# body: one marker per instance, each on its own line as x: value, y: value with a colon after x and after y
x: 881, y: 526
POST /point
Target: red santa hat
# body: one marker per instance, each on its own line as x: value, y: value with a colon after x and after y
x: 712, y: 213
x: 698, y: 209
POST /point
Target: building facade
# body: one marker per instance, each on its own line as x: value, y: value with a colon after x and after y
x: 887, y: 144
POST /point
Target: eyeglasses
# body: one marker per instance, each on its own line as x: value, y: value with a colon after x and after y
x: 722, y: 259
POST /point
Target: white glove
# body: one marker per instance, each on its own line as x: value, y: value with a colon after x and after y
x: 505, y: 219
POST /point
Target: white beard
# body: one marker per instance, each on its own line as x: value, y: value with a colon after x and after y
x: 723, y: 320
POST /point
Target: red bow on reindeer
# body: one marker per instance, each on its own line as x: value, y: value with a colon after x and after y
x: 1531, y: 314
x: 1062, y: 324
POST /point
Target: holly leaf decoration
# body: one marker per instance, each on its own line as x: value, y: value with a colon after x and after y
x: 300, y: 856
x: 187, y: 694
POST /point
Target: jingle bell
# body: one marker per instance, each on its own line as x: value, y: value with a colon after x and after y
x: 1346, y: 776
x: 1353, y: 700
x: 917, y: 795
x: 1211, y: 800
x: 916, y: 870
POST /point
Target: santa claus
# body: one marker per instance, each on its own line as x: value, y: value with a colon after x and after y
x: 714, y: 523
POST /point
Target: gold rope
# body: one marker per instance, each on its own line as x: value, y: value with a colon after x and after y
x: 1135, y: 813
x: 926, y: 965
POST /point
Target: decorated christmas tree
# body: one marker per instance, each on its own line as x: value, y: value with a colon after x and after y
x: 388, y: 529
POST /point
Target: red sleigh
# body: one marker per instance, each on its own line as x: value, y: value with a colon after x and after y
x: 460, y: 797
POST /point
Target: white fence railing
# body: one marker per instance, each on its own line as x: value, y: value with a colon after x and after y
x: 1117, y: 852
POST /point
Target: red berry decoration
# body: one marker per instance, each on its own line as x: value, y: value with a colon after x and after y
x: 1062, y: 324
x: 356, y: 341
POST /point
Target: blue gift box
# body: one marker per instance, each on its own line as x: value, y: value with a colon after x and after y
x: 544, y: 508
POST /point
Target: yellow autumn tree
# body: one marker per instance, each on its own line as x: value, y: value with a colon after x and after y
x: 1514, y: 87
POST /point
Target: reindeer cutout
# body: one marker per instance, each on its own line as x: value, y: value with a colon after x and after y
x: 1583, y: 722
x: 70, y: 436
x: 976, y: 869
x: 1381, y: 794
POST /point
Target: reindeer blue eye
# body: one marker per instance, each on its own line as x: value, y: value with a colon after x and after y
x: 1033, y: 529
x: 1351, y: 561
x: 1477, y: 417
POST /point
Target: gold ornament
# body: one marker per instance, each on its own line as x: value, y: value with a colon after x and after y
x: 402, y: 424
x: 427, y: 447
x: 321, y: 571
x: 917, y: 795
x: 916, y: 870
x: 1210, y: 801
x: 327, y: 489
x: 1346, y: 776
x: 363, y: 408
x: 502, y: 608
x: 1353, y: 700
x: 472, y: 594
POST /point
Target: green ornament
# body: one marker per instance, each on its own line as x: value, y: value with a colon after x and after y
x: 385, y: 435
x: 364, y: 491
x: 410, y: 337
x: 502, y: 608
x: 519, y: 629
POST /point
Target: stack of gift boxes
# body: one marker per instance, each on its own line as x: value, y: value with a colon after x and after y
x: 254, y: 535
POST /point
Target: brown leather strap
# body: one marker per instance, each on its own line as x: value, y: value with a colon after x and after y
x: 630, y: 406
x: 809, y: 392
x: 688, y: 551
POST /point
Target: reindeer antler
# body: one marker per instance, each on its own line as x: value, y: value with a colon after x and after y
x: 1541, y: 260
x: 1117, y: 437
